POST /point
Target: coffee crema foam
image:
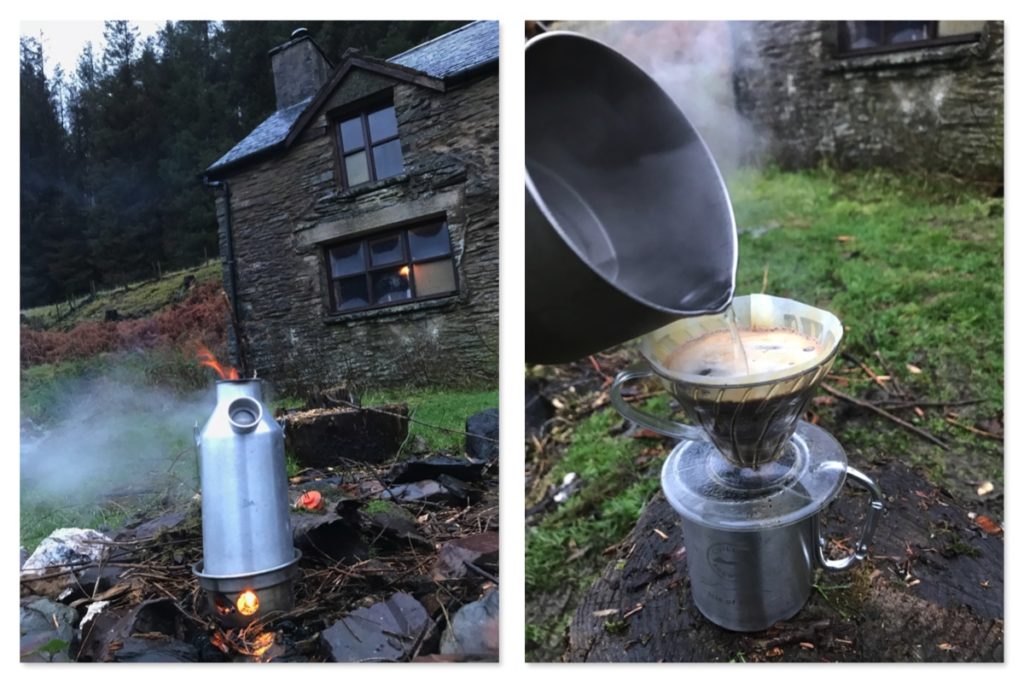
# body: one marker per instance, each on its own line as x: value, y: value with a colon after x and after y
x: 715, y: 354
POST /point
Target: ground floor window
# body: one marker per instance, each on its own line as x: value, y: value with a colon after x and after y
x: 392, y: 267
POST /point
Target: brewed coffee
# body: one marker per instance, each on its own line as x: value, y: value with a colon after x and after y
x: 715, y: 354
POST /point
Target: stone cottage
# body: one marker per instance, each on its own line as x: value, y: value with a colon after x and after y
x: 359, y: 222
x: 916, y: 95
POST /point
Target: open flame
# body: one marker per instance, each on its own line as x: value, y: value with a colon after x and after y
x: 247, y: 603
x: 253, y: 641
x: 207, y: 358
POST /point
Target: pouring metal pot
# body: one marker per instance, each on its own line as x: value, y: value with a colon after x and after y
x: 628, y: 221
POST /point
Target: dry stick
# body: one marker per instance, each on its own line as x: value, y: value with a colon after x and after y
x: 884, y: 413
x: 895, y: 380
x: 974, y: 430
x: 929, y: 404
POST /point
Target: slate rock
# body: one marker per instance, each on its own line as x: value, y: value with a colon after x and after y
x: 478, y: 549
x: 44, y: 622
x: 160, y: 649
x: 474, y: 629
x: 330, y: 534
x: 482, y: 435
x: 155, y: 527
x: 384, y: 632
x: 434, y: 467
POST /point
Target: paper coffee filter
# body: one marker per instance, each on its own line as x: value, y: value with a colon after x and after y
x: 756, y: 312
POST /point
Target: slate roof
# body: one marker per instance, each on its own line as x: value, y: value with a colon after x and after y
x: 467, y: 47
x: 269, y: 133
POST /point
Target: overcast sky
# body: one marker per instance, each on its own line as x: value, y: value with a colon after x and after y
x: 63, y: 40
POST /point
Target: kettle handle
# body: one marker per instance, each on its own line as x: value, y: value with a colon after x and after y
x: 860, y: 551
x: 657, y: 424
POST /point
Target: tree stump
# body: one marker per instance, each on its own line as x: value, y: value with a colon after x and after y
x: 931, y: 590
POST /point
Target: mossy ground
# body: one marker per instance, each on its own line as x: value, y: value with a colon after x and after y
x: 136, y: 300
x: 912, y: 266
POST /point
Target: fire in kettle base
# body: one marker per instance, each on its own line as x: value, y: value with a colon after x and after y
x: 238, y: 600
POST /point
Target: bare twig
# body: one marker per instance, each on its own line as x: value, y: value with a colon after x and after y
x: 973, y: 430
x: 886, y: 414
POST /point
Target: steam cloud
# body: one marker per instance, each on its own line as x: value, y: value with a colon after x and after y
x: 693, y: 62
x: 114, y: 434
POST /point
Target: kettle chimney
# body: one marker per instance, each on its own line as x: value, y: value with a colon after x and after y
x: 299, y: 67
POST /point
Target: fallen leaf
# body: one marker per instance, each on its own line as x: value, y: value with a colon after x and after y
x: 845, y: 238
x: 918, y: 411
x: 987, y: 525
x: 986, y: 488
x: 913, y: 369
x: 824, y: 400
x: 774, y: 652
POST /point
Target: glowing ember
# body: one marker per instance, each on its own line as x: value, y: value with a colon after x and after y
x: 247, y: 603
x: 404, y: 272
x: 263, y: 642
x: 209, y: 360
x: 310, y: 500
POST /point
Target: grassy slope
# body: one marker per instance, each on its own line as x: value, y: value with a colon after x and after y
x: 913, y: 270
x: 134, y: 301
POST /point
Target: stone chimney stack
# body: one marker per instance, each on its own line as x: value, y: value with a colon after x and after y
x: 300, y: 68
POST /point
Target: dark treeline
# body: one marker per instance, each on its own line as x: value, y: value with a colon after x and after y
x: 112, y: 154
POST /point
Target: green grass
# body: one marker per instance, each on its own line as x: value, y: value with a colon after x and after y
x: 134, y: 301
x: 614, y: 490
x: 912, y: 266
x: 914, y: 269
x: 432, y: 408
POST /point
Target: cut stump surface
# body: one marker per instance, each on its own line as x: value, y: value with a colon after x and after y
x: 931, y: 590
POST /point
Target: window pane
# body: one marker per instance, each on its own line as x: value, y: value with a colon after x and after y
x: 385, y: 250
x: 906, y: 31
x: 352, y: 134
x: 428, y: 241
x: 347, y: 259
x: 862, y: 34
x: 387, y: 159
x: 356, y: 169
x: 391, y: 285
x: 383, y: 124
x: 351, y: 293
x: 436, y: 277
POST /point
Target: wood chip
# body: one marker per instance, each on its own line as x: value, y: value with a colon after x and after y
x: 774, y: 652
x: 985, y: 488
x: 601, y: 613
x: 946, y: 646
x: 845, y: 238
x: 627, y: 615
x: 913, y: 369
x: 918, y: 411
x: 807, y: 646
x: 661, y: 534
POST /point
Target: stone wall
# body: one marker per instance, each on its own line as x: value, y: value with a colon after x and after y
x: 284, y: 208
x: 938, y: 109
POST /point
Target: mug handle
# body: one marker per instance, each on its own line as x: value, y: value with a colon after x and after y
x: 860, y: 551
x: 660, y: 425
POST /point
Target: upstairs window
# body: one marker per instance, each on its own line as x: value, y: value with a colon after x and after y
x: 867, y: 37
x: 392, y: 267
x: 369, y: 147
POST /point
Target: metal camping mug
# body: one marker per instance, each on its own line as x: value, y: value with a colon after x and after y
x: 628, y: 222
x: 749, y: 580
